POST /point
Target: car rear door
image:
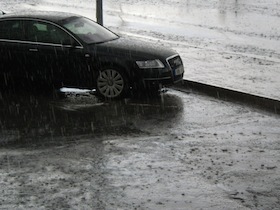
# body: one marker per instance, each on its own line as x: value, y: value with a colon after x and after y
x: 12, y: 60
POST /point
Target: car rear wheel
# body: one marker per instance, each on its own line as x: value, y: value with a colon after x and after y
x: 111, y: 84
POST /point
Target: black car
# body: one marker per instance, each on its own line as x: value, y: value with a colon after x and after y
x: 73, y: 51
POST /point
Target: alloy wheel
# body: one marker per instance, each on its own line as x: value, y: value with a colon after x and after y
x: 110, y: 83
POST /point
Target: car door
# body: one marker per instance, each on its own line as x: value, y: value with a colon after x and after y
x: 54, y: 55
x: 12, y: 60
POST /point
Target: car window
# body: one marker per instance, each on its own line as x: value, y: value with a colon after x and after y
x: 88, y: 30
x: 11, y: 30
x: 37, y: 31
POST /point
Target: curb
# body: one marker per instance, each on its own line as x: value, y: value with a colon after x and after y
x: 260, y: 102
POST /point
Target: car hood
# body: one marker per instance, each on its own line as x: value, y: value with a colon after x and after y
x: 134, y: 48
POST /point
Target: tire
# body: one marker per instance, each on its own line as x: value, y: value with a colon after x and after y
x: 111, y: 84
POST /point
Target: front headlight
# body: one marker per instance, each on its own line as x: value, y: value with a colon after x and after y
x: 150, y: 64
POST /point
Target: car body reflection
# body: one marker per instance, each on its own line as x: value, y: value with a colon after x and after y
x: 37, y: 118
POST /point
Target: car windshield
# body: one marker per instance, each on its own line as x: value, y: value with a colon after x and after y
x: 88, y: 30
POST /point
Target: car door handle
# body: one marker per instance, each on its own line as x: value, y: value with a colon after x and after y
x: 33, y: 50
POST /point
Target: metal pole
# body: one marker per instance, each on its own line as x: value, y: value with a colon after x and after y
x: 99, y: 12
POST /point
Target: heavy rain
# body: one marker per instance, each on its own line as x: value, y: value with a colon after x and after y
x: 70, y: 149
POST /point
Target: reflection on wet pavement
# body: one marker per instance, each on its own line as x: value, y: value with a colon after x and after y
x: 32, y: 116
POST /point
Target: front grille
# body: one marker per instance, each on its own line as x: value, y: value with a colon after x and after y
x: 175, y: 62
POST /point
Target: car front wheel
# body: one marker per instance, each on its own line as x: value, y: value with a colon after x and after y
x: 111, y: 84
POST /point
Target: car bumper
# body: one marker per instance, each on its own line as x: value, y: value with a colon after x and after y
x: 166, y: 81
x: 169, y: 75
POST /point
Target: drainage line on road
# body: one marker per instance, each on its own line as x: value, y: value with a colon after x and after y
x: 268, y: 104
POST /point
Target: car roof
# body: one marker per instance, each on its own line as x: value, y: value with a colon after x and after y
x: 40, y: 15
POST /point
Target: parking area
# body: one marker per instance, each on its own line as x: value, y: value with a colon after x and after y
x: 174, y: 151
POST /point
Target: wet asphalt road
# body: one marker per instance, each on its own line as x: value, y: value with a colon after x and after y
x: 172, y: 151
